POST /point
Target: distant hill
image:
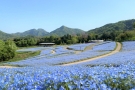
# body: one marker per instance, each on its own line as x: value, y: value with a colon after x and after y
x: 118, y: 26
x: 121, y: 26
x: 4, y: 35
x: 32, y: 32
x: 63, y: 30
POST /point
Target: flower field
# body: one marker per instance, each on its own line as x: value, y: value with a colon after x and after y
x: 79, y: 47
x: 127, y: 54
x: 62, y: 56
x: 114, y: 72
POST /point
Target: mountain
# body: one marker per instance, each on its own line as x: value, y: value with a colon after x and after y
x: 32, y: 32
x: 4, y: 35
x: 63, y: 30
x: 118, y: 26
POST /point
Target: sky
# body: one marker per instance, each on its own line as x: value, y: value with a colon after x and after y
x: 22, y: 15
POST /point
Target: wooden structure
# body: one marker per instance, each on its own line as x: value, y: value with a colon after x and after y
x: 46, y: 44
x: 96, y: 41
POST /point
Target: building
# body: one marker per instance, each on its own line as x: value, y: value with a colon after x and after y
x: 96, y: 41
x: 46, y: 44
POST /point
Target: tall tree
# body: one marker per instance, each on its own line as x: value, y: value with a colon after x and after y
x: 134, y: 25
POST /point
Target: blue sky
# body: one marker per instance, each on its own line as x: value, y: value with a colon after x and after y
x: 22, y: 15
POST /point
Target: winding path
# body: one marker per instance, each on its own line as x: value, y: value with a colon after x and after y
x: 117, y: 49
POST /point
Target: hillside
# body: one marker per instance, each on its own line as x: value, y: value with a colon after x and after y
x: 63, y: 30
x: 32, y: 32
x: 118, y: 26
x: 125, y: 25
x: 4, y: 35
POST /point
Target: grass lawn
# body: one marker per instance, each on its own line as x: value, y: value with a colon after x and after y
x: 21, y: 56
x: 26, y: 47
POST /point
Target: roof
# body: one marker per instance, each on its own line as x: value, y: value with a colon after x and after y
x: 46, y: 43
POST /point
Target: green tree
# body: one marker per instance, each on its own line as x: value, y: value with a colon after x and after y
x: 113, y: 35
x: 105, y: 36
x: 74, y: 40
x: 11, y: 44
x: 88, y: 38
x: 1, y: 49
x: 134, y: 25
x: 7, y: 50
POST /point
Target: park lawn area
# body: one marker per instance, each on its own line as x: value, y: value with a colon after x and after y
x: 26, y: 47
x: 22, y: 56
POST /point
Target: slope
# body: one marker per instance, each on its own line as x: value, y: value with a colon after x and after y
x: 118, y: 26
x: 32, y: 32
x: 4, y: 35
x: 63, y: 30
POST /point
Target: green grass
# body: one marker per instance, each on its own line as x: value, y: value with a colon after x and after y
x: 26, y: 47
x: 21, y: 56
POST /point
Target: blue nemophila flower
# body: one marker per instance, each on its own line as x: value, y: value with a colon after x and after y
x: 113, y: 72
x: 61, y: 88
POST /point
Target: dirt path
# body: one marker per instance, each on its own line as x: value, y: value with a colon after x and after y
x: 90, y: 46
x: 53, y: 52
x: 118, y: 48
x: 87, y: 48
x: 7, y: 67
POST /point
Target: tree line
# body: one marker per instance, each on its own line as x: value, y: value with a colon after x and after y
x: 73, y: 39
x: 79, y: 38
x: 66, y: 39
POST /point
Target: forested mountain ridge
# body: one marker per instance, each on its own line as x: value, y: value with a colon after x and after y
x: 4, y: 35
x: 108, y: 29
x: 63, y: 30
x: 32, y: 32
x: 120, y: 26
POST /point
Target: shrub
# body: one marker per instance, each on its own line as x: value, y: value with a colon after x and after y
x: 7, y: 50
